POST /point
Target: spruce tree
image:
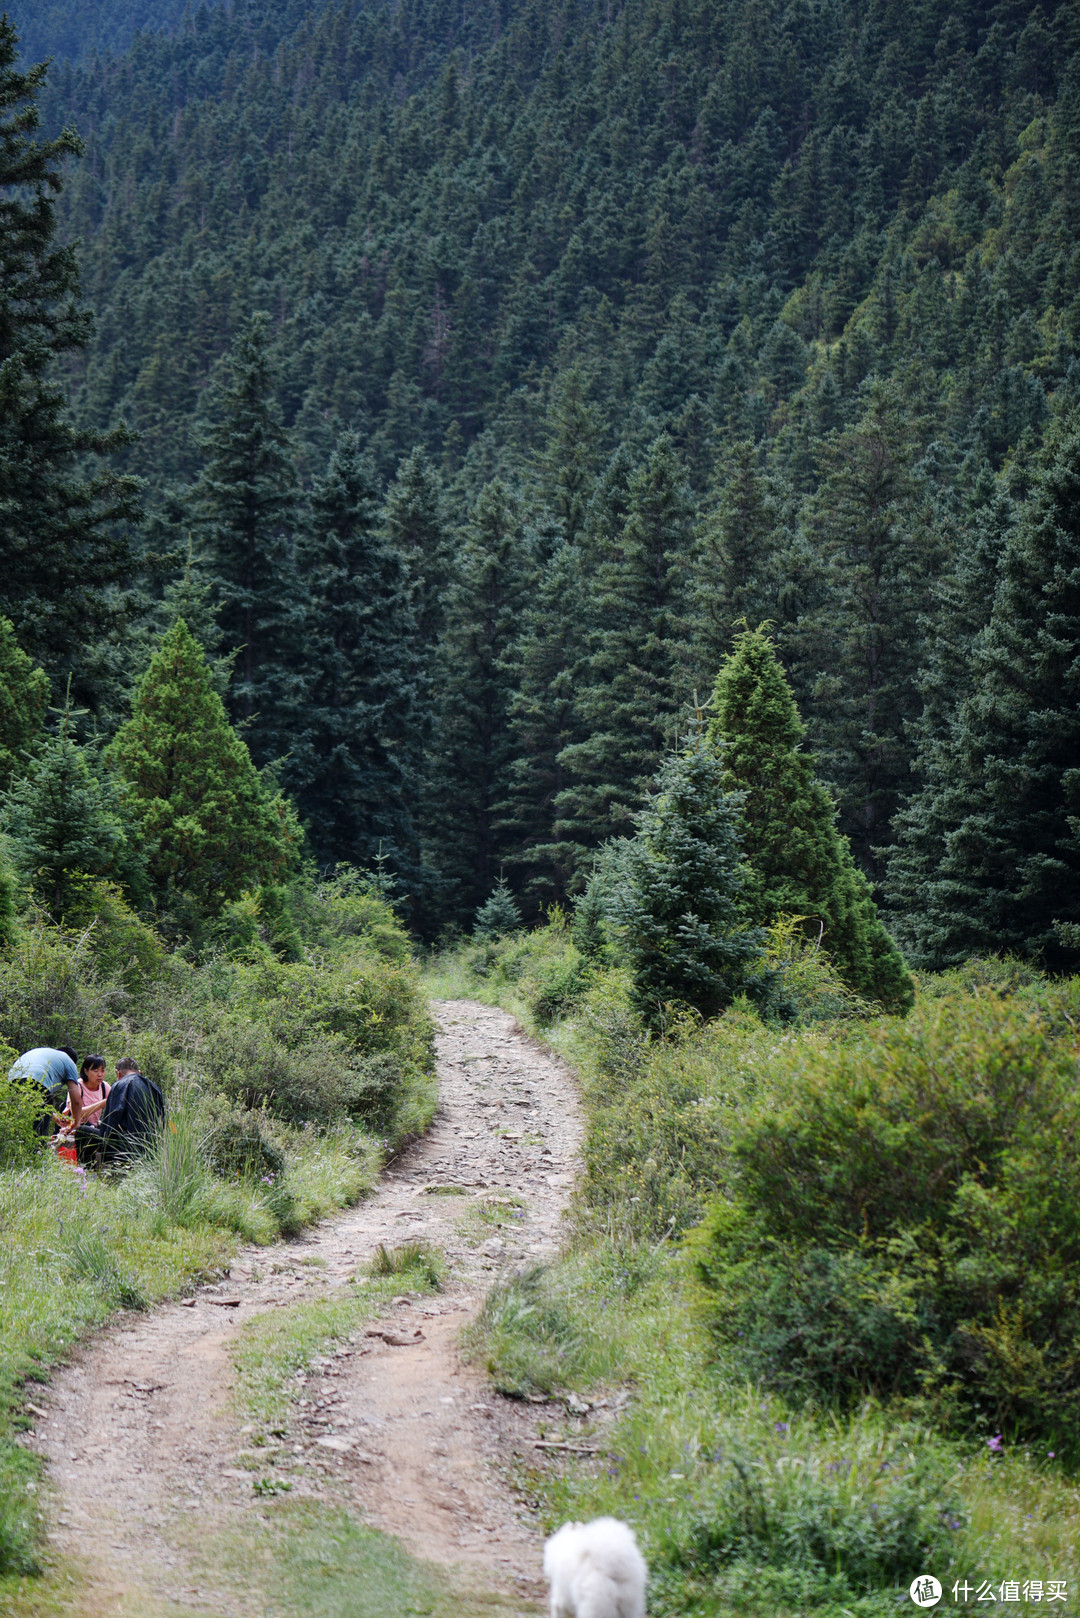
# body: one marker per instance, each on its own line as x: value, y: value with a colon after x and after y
x: 355, y: 768
x: 739, y: 555
x: 247, y: 501
x: 24, y: 691
x: 799, y: 862
x: 678, y: 906
x: 545, y: 723
x: 1005, y: 790
x: 468, y: 774
x: 963, y: 605
x: 857, y: 650
x: 64, y: 527
x: 635, y: 678
x: 208, y: 824
x: 498, y: 915
x: 66, y: 824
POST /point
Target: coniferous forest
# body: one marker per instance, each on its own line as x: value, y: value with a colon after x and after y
x: 479, y: 375
x: 584, y: 494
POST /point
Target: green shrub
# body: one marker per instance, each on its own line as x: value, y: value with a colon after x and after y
x: 121, y: 945
x: 907, y: 1219
x: 21, y: 1105
x: 560, y: 987
x: 828, y: 1521
x: 239, y: 1143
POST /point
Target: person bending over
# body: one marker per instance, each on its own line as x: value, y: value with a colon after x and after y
x: 52, y: 1069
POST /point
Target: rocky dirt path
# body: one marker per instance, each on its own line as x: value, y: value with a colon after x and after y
x: 141, y: 1434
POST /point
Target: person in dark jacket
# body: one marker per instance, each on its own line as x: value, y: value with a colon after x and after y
x: 133, y: 1114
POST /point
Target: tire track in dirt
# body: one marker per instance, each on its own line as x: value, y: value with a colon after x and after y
x: 141, y: 1437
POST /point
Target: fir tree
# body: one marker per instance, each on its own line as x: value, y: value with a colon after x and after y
x: 679, y: 904
x: 472, y: 744
x: 24, y: 691
x: 498, y: 915
x: 544, y: 720
x: 858, y: 650
x: 355, y: 769
x: 64, y: 532
x: 963, y: 605
x: 247, y: 500
x: 1006, y: 788
x: 66, y: 824
x: 799, y: 863
x: 209, y: 826
x: 635, y: 678
x: 739, y: 555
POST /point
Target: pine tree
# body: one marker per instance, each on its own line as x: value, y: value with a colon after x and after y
x: 799, y: 863
x: 567, y: 466
x: 857, y: 652
x: 1006, y: 788
x: 66, y: 824
x: 544, y: 721
x: 739, y: 555
x: 468, y: 771
x: 24, y: 691
x: 247, y: 500
x: 635, y: 680
x: 354, y: 771
x: 64, y: 531
x: 210, y: 827
x: 498, y: 915
x: 679, y: 904
x: 964, y: 602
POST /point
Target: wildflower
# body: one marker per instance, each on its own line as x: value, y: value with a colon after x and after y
x: 996, y: 1444
x: 780, y: 1426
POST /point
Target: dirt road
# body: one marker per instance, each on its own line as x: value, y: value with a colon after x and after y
x: 142, y: 1437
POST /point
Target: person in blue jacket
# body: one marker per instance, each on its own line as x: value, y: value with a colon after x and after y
x: 53, y: 1069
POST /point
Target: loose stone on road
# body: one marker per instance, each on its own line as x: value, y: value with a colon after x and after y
x: 142, y: 1438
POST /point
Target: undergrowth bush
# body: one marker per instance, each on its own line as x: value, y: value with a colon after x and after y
x: 904, y: 1217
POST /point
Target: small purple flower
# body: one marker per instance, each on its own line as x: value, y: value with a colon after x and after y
x: 267, y: 1179
x: 996, y: 1445
x: 780, y: 1426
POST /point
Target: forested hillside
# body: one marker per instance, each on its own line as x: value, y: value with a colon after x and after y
x: 488, y: 367
x: 67, y: 28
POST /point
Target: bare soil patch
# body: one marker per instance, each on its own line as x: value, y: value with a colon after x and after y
x: 145, y: 1447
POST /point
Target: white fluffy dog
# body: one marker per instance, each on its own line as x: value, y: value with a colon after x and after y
x: 595, y: 1571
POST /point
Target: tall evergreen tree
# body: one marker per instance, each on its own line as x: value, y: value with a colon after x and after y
x: 678, y: 905
x: 636, y: 678
x: 210, y: 828
x: 24, y: 691
x: 355, y: 769
x: 739, y: 555
x: 1006, y: 790
x: 472, y: 745
x: 799, y: 863
x: 66, y: 824
x: 963, y: 605
x: 247, y: 499
x: 877, y: 550
x: 64, y: 531
x: 545, y: 723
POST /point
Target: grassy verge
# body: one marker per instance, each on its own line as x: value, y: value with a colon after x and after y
x: 744, y: 1501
